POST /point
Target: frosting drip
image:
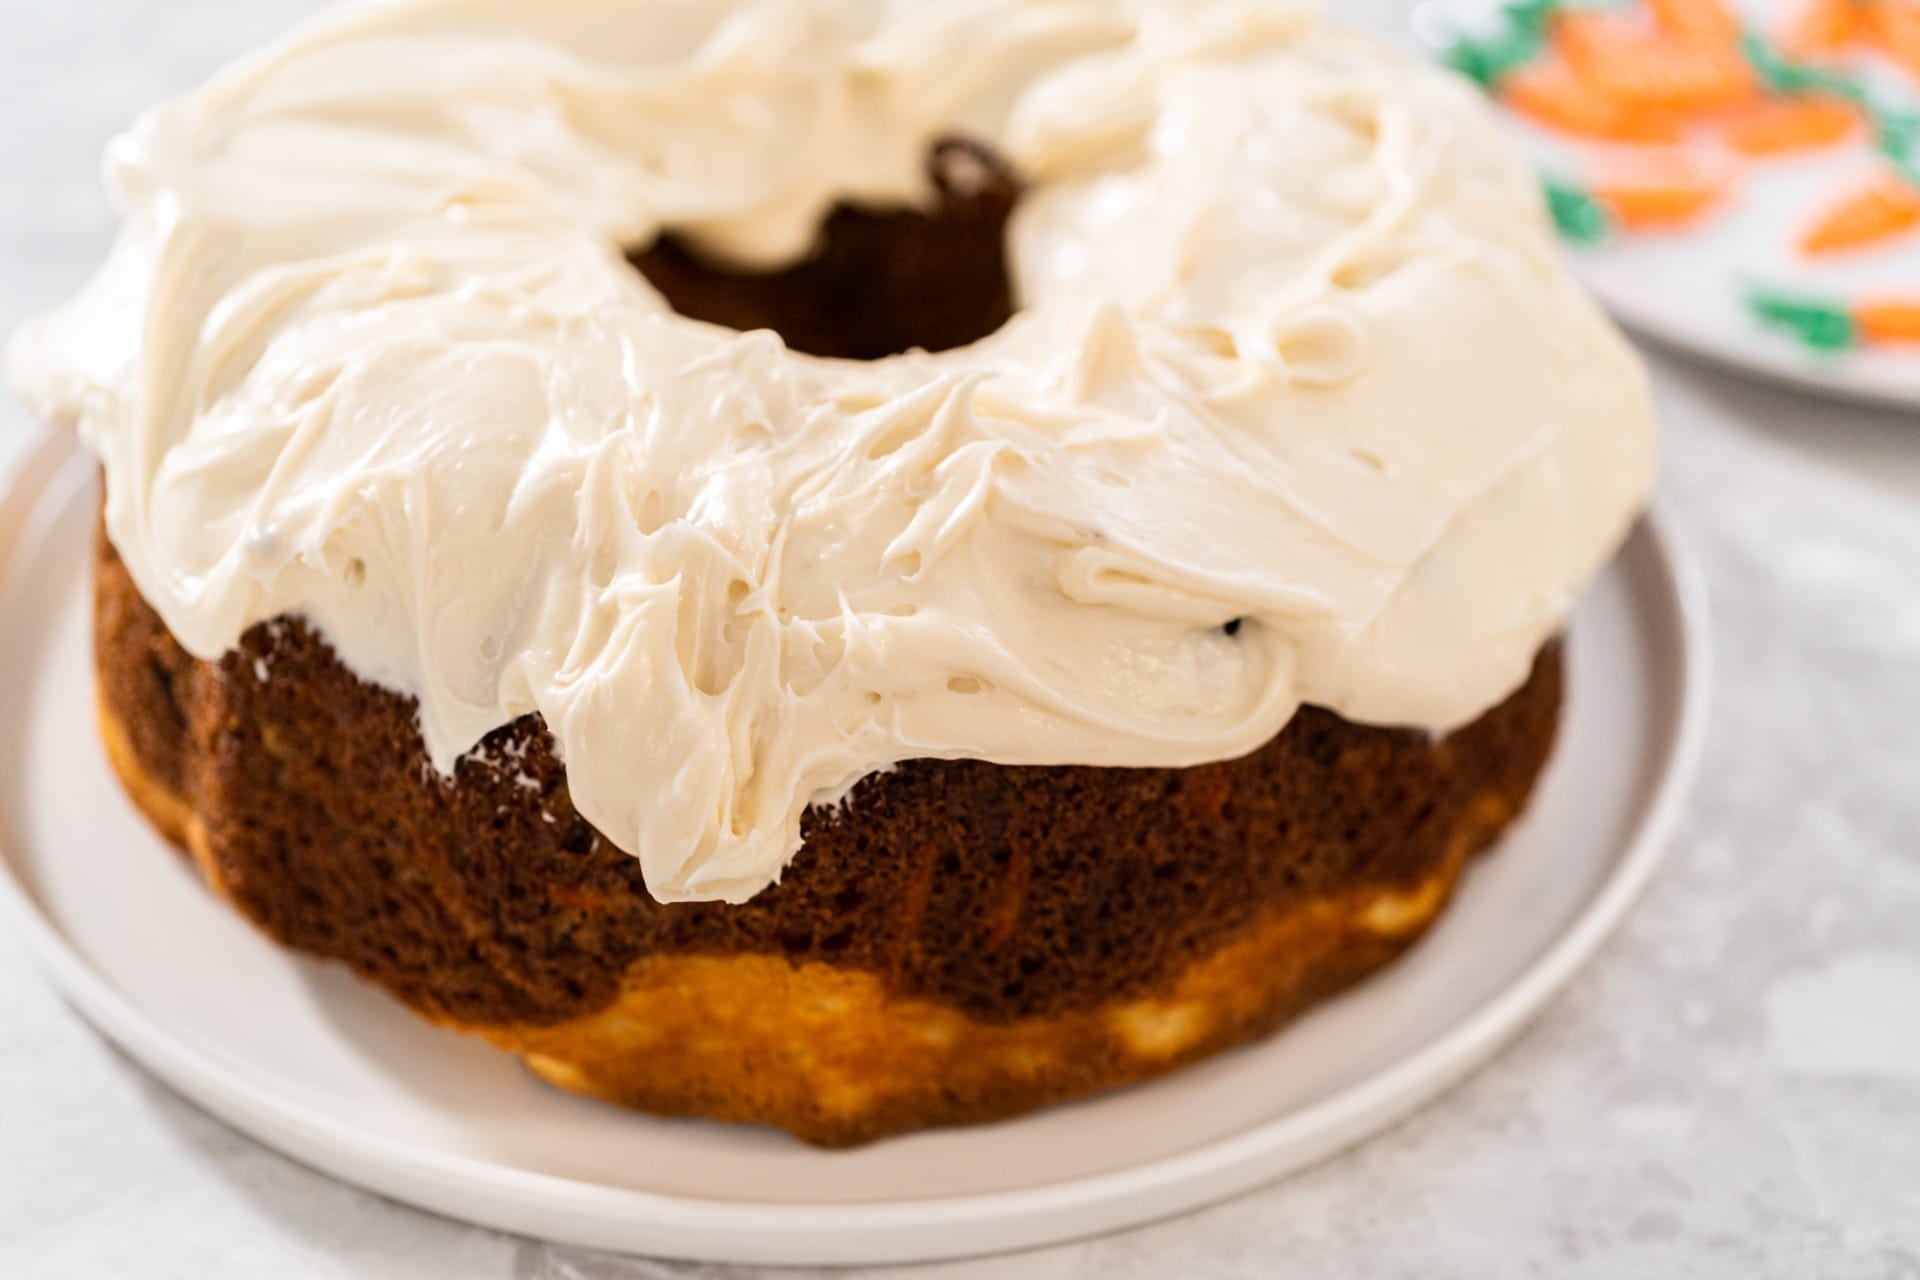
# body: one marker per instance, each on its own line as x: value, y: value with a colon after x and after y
x: 1293, y: 349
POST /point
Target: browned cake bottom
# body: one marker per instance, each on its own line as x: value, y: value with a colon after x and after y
x: 959, y: 942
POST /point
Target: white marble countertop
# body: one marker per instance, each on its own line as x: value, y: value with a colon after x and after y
x: 1731, y: 1089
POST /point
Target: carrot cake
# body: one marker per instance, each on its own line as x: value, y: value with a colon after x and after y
x: 843, y: 564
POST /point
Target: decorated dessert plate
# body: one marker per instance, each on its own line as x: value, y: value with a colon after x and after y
x: 310, y: 1061
x: 1736, y: 178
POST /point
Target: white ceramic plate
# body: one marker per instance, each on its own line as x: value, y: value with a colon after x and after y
x: 330, y: 1071
x: 1687, y: 288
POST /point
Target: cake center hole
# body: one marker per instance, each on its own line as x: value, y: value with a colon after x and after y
x: 882, y: 281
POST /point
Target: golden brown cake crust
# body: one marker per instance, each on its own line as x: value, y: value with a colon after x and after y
x: 959, y: 941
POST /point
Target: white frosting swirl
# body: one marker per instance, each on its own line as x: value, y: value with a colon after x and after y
x: 1293, y: 348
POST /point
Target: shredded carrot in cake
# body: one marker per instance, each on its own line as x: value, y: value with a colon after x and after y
x: 1888, y: 320
x: 1880, y: 212
x: 1779, y: 126
x: 1549, y: 93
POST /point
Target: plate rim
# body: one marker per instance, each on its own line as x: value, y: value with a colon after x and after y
x: 1755, y: 354
x: 579, y: 1212
x: 1808, y: 375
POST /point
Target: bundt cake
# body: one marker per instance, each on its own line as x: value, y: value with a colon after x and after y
x: 843, y: 564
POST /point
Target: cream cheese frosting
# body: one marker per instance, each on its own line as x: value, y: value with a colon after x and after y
x: 1293, y: 349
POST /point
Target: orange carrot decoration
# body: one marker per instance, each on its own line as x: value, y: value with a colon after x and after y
x: 1895, y: 28
x: 1663, y: 191
x: 1888, y: 320
x: 1549, y: 93
x: 1872, y: 216
x: 1657, y: 208
x: 1823, y: 27
x: 1779, y: 126
x: 1623, y: 60
x: 1589, y: 39
x: 1829, y: 325
x: 1696, y: 19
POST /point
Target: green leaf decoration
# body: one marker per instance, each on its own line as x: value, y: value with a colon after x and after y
x: 1783, y: 75
x: 1579, y: 218
x: 1816, y: 324
x: 1899, y: 141
x: 1897, y: 133
x: 1523, y: 30
x: 1532, y: 15
x: 1486, y: 62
